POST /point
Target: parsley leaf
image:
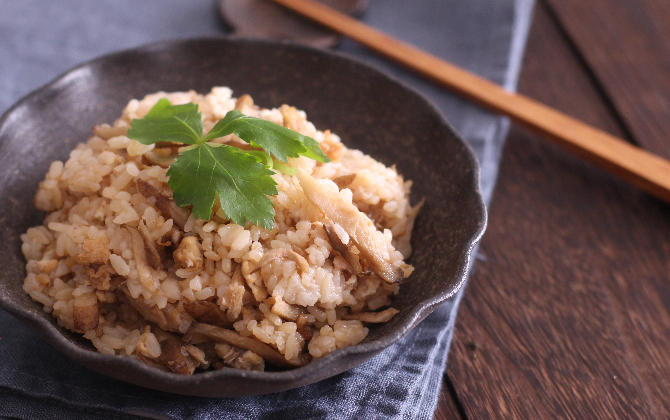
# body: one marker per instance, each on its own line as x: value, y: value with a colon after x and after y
x: 275, y: 139
x: 241, y: 183
x: 241, y: 179
x: 167, y: 122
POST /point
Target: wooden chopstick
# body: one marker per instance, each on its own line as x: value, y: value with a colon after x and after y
x: 643, y: 169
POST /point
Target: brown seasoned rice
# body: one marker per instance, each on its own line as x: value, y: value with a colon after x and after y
x: 119, y: 262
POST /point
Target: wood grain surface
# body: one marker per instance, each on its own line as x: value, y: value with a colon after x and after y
x: 568, y: 312
x: 449, y: 405
x: 626, y: 44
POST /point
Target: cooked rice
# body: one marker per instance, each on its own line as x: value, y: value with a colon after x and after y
x: 119, y: 262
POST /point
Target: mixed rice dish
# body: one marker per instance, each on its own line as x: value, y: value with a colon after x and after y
x: 119, y: 262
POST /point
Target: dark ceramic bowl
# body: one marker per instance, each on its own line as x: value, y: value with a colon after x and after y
x: 369, y: 110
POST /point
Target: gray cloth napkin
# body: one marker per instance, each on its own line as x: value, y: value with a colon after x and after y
x: 42, y: 39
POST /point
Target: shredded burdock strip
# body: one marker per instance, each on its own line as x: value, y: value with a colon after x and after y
x: 373, y: 317
x: 271, y: 355
x: 361, y: 230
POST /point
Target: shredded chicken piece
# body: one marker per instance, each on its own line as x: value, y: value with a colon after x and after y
x: 361, y: 230
x: 231, y: 337
x: 188, y: 255
x: 373, y: 317
x: 85, y: 312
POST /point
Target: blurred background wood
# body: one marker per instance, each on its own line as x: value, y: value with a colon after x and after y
x: 568, y: 311
x: 625, y: 44
x: 263, y: 19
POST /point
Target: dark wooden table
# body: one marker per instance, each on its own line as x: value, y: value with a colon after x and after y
x: 567, y: 314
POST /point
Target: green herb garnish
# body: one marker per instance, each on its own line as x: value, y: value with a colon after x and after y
x: 241, y: 179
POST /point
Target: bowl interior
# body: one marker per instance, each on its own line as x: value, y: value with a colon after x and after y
x: 368, y: 110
